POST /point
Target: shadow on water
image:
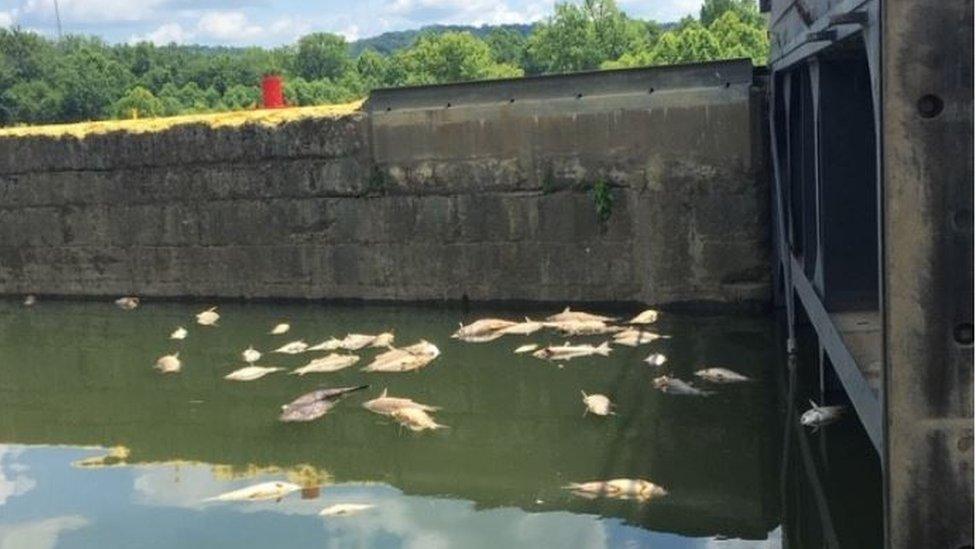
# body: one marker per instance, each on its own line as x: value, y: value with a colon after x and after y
x: 78, y: 374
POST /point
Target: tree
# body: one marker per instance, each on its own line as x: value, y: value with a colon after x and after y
x: 373, y: 68
x: 747, y: 10
x: 740, y: 39
x: 507, y: 46
x: 565, y: 42
x: 138, y: 102
x: 321, y: 55
x: 33, y: 101
x: 451, y: 57
x: 240, y: 96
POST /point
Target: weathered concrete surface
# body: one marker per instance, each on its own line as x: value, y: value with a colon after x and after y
x: 483, y: 200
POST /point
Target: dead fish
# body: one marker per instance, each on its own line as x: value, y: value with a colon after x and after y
x: 251, y: 355
x: 646, y: 317
x: 721, y: 375
x: 674, y: 386
x: 415, y: 419
x: 410, y: 358
x: 621, y: 488
x: 127, y: 303
x: 523, y: 328
x: 331, y: 344
x: 30, y: 300
x: 580, y: 316
x: 633, y: 338
x: 259, y: 492
x: 597, y: 404
x: 386, y: 405
x: 315, y: 404
x: 819, y: 416
x: 383, y: 340
x: 354, y: 342
x: 526, y: 348
x: 169, y: 364
x: 583, y: 327
x: 568, y: 352
x: 344, y: 509
x: 292, y: 348
x: 656, y: 359
x: 250, y: 373
x: 208, y: 317
x: 332, y: 363
x: 179, y: 333
x: 280, y: 329
x: 423, y: 348
x: 485, y: 329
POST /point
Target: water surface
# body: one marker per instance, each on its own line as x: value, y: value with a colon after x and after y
x: 99, y: 450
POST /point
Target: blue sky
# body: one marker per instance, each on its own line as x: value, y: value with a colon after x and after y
x: 269, y: 23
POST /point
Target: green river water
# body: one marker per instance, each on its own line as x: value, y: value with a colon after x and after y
x: 76, y: 381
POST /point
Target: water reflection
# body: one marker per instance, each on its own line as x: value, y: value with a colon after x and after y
x: 78, y: 374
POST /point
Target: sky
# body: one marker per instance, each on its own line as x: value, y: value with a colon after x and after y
x: 272, y: 23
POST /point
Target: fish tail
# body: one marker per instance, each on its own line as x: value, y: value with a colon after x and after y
x: 573, y: 486
x: 604, y: 349
x: 583, y: 393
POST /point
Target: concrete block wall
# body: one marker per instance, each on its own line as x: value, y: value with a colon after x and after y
x: 488, y: 199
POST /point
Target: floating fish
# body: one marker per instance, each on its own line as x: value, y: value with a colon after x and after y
x: 179, y: 333
x: 415, y: 419
x: 250, y: 373
x: 169, y: 364
x: 621, y: 488
x: 259, y: 492
x: 315, y: 404
x: 386, y: 405
x: 251, y: 355
x: 656, y: 359
x: 344, y: 509
x: 208, y: 317
x: 523, y: 328
x: 647, y: 317
x: 819, y: 416
x: 332, y: 363
x: 526, y: 348
x: 280, y: 329
x: 597, y: 404
x: 633, y: 338
x: 29, y: 300
x: 127, y: 303
x: 354, y: 342
x: 292, y: 348
x: 674, y: 386
x: 583, y: 327
x: 406, y: 359
x: 332, y: 344
x: 485, y: 329
x: 721, y: 375
x: 570, y: 315
x: 568, y: 352
x: 383, y: 340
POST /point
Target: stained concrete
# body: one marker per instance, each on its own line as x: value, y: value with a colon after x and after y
x: 411, y: 200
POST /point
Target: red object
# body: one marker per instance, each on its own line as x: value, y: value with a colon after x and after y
x: 272, y: 92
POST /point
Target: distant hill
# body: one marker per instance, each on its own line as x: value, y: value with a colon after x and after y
x: 388, y: 42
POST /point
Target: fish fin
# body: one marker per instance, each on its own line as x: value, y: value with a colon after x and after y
x: 813, y: 404
x: 383, y: 394
x: 583, y: 393
x: 566, y: 310
x: 176, y: 354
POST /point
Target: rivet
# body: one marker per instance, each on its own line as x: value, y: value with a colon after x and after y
x: 930, y: 106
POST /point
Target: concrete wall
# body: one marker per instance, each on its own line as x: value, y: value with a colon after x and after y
x: 482, y: 191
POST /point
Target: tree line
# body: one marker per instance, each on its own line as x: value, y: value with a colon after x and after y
x: 83, y: 78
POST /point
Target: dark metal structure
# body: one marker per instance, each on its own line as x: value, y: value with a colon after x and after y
x: 871, y: 119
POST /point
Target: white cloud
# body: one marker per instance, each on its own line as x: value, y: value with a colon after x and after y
x: 288, y: 28
x: 39, y: 534
x: 468, y: 12
x: 228, y: 26
x: 350, y: 32
x: 164, y: 34
x: 6, y: 18
x: 17, y: 483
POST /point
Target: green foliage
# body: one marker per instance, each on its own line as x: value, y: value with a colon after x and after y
x: 322, y: 55
x: 138, y: 102
x: 83, y: 78
x: 603, y: 200
x: 451, y: 57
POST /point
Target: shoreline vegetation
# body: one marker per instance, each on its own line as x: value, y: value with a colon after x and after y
x: 82, y: 80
